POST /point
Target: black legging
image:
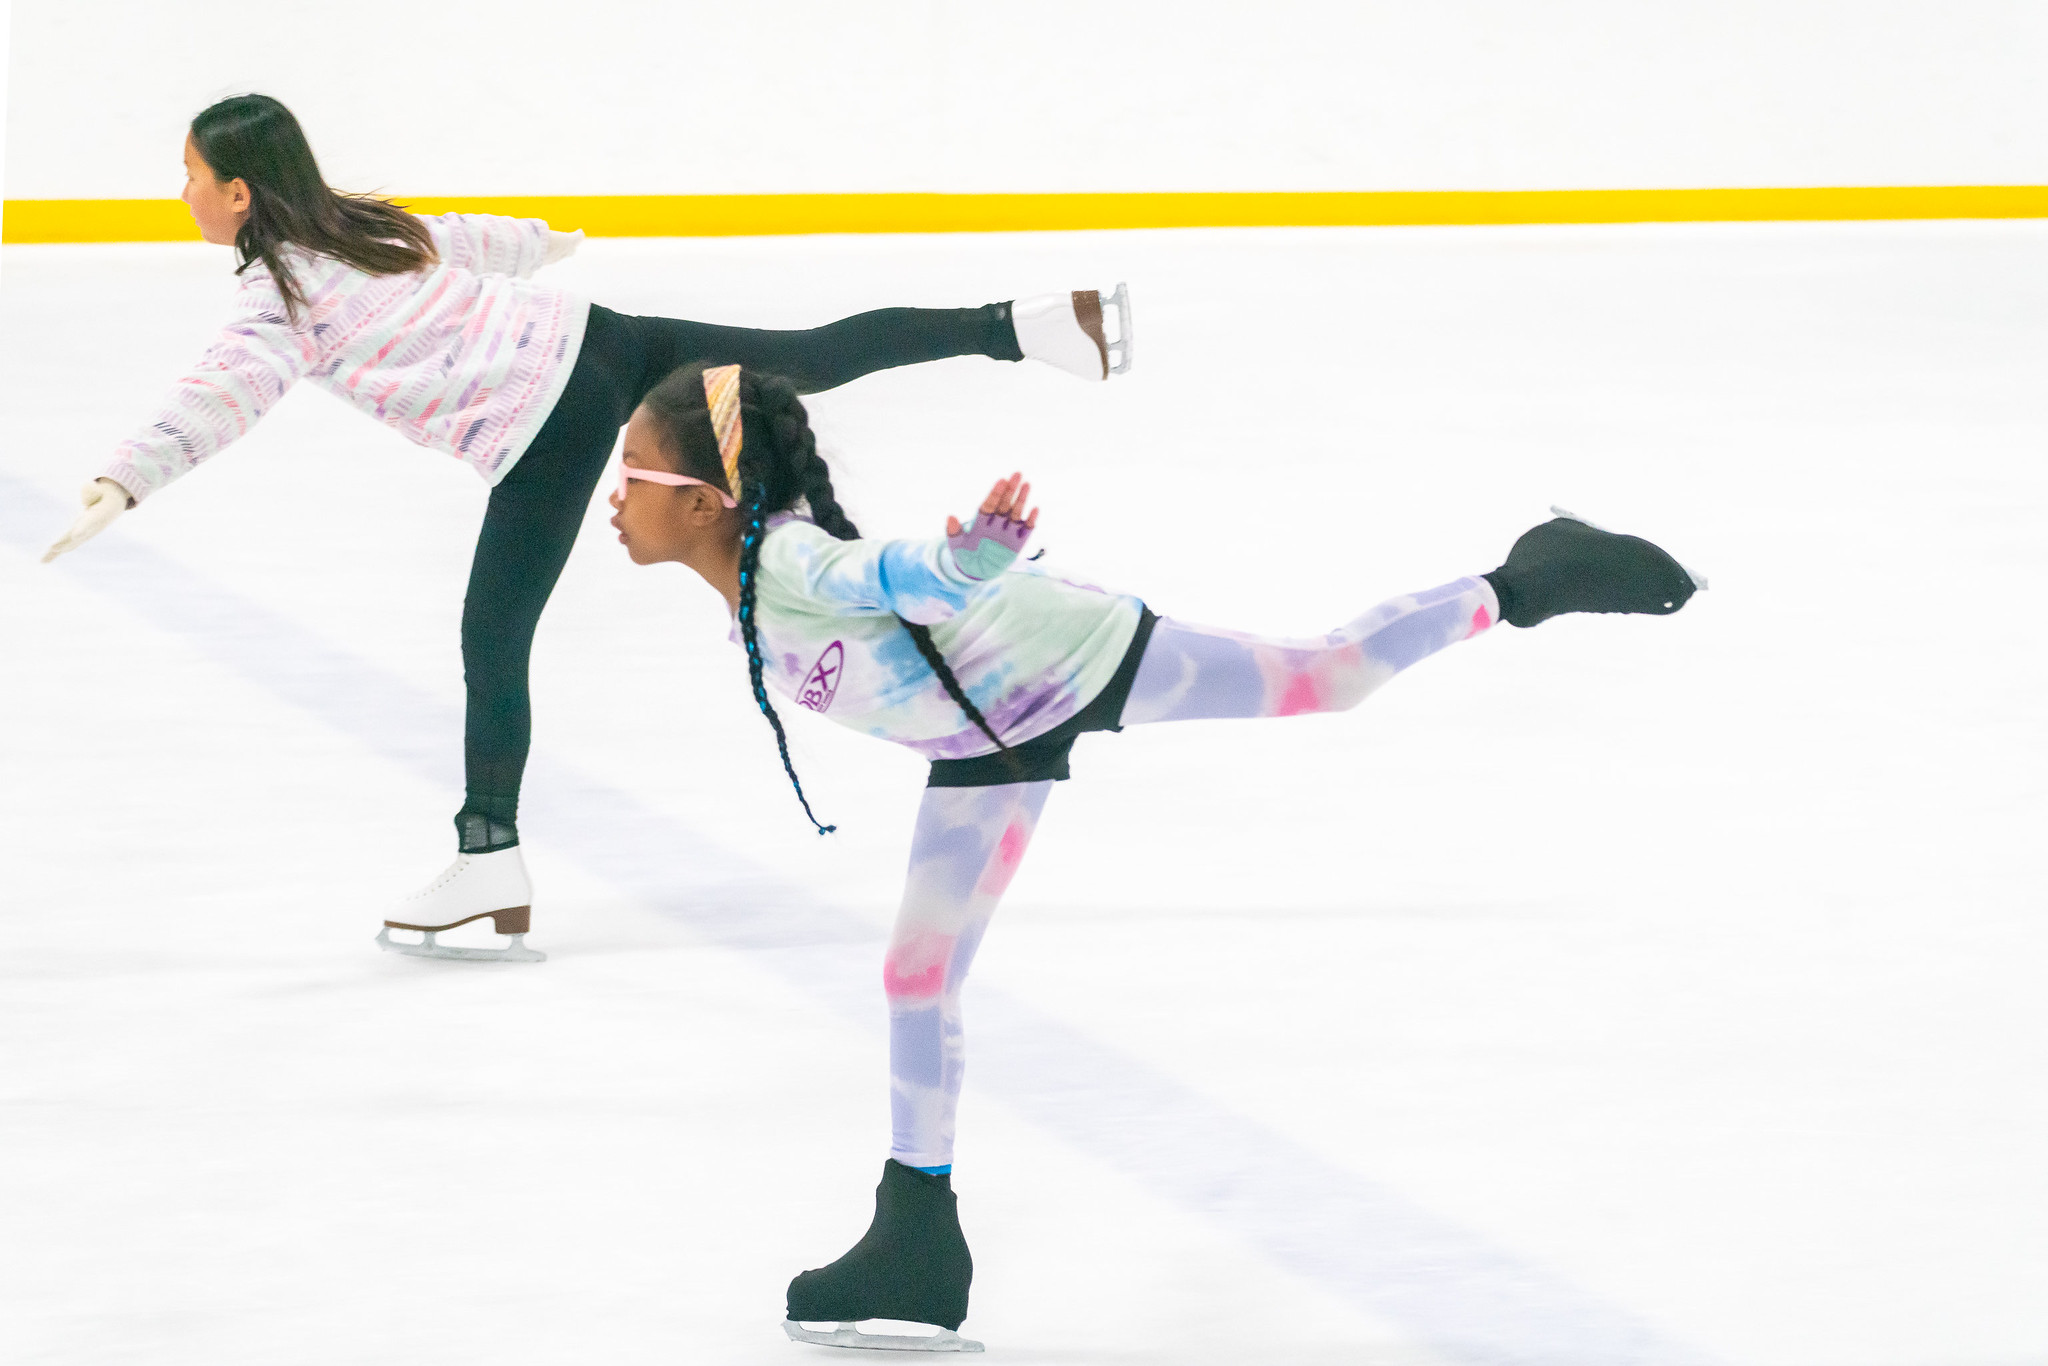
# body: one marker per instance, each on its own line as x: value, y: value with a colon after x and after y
x: 535, y: 511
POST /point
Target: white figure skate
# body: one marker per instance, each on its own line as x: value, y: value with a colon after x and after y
x: 471, y: 888
x: 846, y: 1335
x: 1066, y: 330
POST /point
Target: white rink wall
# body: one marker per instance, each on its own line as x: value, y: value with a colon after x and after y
x: 631, y: 97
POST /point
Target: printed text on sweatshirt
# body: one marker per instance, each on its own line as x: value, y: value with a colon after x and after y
x: 466, y: 357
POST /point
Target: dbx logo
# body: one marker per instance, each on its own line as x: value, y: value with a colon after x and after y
x: 822, y: 683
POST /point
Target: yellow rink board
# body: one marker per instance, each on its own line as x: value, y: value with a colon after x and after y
x: 752, y: 215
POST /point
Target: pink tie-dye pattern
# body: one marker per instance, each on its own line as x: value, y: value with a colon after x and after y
x: 970, y: 842
x: 916, y: 965
x: 1301, y: 697
x: 1009, y: 853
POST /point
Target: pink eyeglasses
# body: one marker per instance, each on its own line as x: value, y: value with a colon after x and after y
x: 627, y: 472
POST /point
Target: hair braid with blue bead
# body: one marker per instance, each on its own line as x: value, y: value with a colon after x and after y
x: 750, y: 563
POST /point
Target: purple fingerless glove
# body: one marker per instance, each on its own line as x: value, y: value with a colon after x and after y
x: 986, y: 546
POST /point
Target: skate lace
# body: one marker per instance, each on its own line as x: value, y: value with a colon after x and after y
x: 448, y: 875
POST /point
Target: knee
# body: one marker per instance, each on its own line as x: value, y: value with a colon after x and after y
x: 915, y: 969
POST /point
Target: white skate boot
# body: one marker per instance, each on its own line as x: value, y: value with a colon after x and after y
x: 472, y: 887
x: 1066, y: 330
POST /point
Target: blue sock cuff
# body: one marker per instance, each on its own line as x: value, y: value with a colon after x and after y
x: 946, y: 1170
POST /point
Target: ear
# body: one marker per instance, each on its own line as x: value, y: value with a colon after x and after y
x: 705, y: 506
x: 241, y: 199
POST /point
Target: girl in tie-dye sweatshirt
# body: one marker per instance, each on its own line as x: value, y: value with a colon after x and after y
x: 435, y: 328
x: 991, y: 667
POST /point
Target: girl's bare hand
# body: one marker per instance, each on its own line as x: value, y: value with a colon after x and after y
x: 1007, y: 498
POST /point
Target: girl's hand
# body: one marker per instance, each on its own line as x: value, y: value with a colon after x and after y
x: 1006, y: 500
x: 104, y: 501
x: 986, y: 548
x: 561, y: 246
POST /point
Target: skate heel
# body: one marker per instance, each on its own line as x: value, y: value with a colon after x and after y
x: 514, y: 920
x: 1067, y: 331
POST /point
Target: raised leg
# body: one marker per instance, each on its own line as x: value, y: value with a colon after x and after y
x: 1192, y: 673
x: 819, y: 358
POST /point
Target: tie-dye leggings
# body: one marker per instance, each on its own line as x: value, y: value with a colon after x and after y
x: 970, y: 840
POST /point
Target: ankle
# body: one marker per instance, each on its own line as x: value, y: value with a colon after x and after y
x: 1504, y: 596
x: 479, y: 832
x: 999, y: 336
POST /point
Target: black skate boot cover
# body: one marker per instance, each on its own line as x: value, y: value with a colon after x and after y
x: 1565, y: 565
x: 912, y: 1264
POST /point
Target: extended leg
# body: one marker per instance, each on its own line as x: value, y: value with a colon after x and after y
x: 1565, y: 565
x: 1065, y: 331
x: 819, y: 358
x: 1192, y: 673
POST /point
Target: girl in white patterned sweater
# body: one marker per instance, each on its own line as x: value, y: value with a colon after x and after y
x: 433, y: 327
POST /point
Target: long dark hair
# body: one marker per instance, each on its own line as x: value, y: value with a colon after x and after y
x: 255, y: 139
x: 779, y: 466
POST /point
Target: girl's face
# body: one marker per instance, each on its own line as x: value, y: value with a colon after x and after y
x: 659, y: 522
x: 218, y: 208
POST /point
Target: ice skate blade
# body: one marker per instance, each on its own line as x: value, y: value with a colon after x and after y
x: 515, y: 950
x: 846, y: 1335
x: 1120, y: 348
x: 1699, y: 581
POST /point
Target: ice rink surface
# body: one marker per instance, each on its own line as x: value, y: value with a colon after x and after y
x: 1621, y: 991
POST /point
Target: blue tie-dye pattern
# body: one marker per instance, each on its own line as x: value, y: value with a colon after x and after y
x: 1029, y: 648
x: 1416, y: 635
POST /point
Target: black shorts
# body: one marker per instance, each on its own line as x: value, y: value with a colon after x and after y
x: 1045, y: 756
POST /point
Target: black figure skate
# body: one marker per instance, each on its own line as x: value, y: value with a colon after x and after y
x: 912, y: 1265
x: 1570, y: 565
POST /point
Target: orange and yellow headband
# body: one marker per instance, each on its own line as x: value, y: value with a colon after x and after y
x: 722, y: 397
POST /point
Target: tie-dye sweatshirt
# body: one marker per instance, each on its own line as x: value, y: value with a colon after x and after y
x: 465, y: 357
x: 1030, y: 648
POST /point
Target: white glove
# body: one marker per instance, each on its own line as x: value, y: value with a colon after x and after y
x: 561, y: 246
x: 104, y: 501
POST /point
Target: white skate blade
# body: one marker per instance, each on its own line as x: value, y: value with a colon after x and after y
x: 846, y: 1335
x: 1699, y: 581
x: 515, y: 950
x: 1120, y: 344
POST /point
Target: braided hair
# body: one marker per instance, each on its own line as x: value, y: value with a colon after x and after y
x: 779, y: 466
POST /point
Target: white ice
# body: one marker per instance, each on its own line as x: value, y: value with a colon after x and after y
x: 1634, y: 990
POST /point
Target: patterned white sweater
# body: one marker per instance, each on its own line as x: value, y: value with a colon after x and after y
x: 466, y: 357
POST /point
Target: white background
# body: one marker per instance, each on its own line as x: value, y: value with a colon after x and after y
x: 618, y: 97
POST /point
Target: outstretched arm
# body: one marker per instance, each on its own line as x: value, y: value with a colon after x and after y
x: 255, y: 360
x: 492, y: 244
x: 922, y: 581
